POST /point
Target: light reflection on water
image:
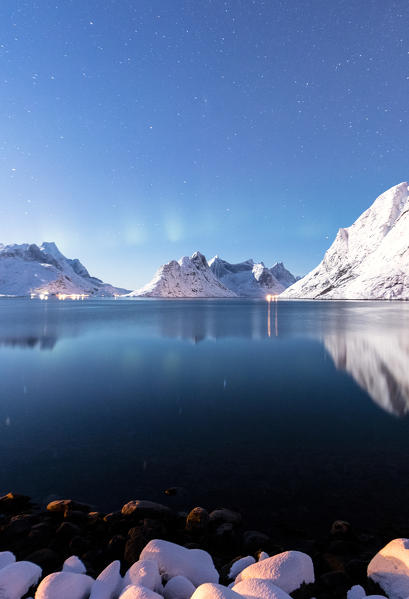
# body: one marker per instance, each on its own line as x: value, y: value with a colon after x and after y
x: 217, y: 396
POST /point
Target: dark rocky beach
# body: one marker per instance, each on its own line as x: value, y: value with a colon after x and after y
x: 49, y: 534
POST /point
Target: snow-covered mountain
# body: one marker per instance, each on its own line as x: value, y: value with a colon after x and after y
x: 29, y: 268
x: 190, y: 277
x: 249, y: 279
x: 369, y: 259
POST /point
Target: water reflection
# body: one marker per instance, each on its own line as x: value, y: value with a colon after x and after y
x: 379, y: 363
x: 368, y: 341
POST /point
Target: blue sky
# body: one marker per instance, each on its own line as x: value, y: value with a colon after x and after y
x: 134, y: 132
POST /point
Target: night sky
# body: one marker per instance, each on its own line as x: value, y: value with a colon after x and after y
x: 134, y: 132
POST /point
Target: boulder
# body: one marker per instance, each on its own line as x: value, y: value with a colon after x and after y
x: 144, y: 573
x: 390, y: 569
x: 17, y: 578
x: 197, y: 520
x: 211, y: 590
x: 288, y: 570
x: 74, y: 564
x: 135, y: 591
x: 145, y: 509
x: 254, y: 588
x: 173, y: 560
x: 65, y: 585
x: 108, y: 583
x: 178, y: 587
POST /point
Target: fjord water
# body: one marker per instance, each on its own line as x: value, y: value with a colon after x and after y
x: 294, y: 412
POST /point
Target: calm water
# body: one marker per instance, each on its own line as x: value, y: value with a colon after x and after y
x: 296, y: 416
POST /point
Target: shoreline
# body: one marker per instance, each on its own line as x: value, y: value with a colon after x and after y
x: 48, y: 535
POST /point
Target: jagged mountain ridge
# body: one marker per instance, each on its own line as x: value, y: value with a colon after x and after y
x: 369, y: 259
x: 29, y: 268
x: 250, y: 279
x: 195, y: 277
x: 189, y: 277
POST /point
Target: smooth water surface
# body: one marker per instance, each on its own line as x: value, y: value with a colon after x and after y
x: 291, y: 413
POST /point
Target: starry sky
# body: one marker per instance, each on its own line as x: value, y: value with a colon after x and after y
x: 136, y: 131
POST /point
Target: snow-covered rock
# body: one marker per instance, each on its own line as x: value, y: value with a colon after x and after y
x: 288, y: 570
x: 250, y: 279
x: 17, y: 578
x: 369, y: 259
x: 190, y: 277
x: 178, y: 587
x: 108, y: 583
x: 137, y: 591
x: 263, y: 555
x: 65, y: 585
x: 356, y: 592
x: 6, y: 558
x: 173, y: 560
x: 74, y: 564
x: 255, y: 588
x: 145, y: 573
x: 211, y: 590
x: 390, y: 569
x: 239, y: 565
x: 31, y: 269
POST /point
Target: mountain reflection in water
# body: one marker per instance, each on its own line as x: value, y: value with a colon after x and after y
x: 368, y: 340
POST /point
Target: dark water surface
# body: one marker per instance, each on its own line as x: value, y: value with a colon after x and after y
x: 298, y: 416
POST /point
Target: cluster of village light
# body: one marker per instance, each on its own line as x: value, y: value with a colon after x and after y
x: 60, y: 296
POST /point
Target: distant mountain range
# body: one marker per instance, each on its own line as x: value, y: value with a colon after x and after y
x: 195, y: 277
x: 31, y: 269
x: 369, y: 259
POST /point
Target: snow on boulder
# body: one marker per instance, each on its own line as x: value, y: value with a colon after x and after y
x: 263, y: 555
x: 210, y: 590
x: 6, y: 558
x: 239, y: 565
x: 179, y: 587
x: 108, y: 583
x: 390, y: 569
x: 356, y: 592
x: 144, y: 573
x: 74, y: 564
x: 259, y: 589
x: 16, y: 579
x: 173, y: 560
x: 137, y: 591
x: 65, y: 585
x: 288, y: 570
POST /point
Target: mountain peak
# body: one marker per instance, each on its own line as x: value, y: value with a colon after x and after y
x: 369, y: 259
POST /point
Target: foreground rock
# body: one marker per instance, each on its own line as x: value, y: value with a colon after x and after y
x: 173, y: 560
x: 288, y: 570
x: 390, y: 569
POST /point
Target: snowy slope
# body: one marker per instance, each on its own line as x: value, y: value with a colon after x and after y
x: 248, y: 279
x: 29, y: 268
x: 369, y: 259
x: 190, y: 277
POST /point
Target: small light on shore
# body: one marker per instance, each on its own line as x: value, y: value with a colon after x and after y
x: 269, y: 298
